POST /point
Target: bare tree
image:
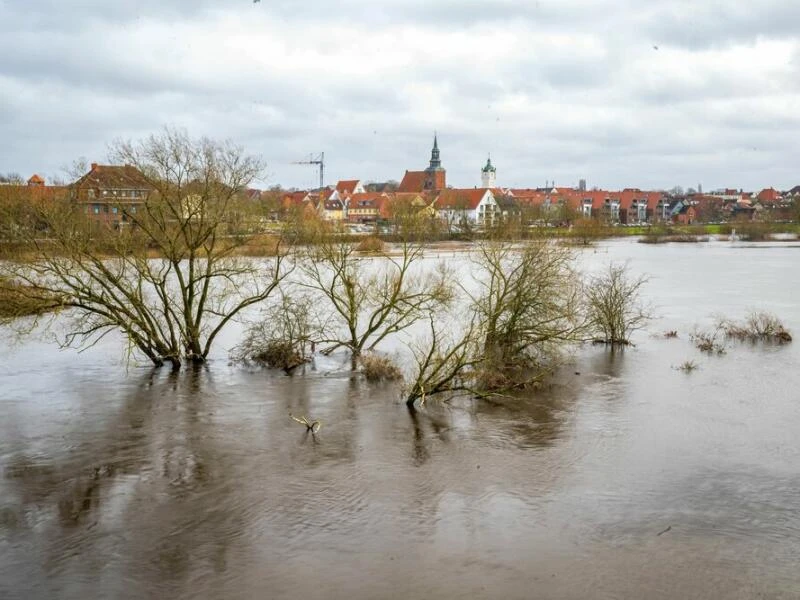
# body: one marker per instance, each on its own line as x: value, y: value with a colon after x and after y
x: 370, y: 299
x: 444, y: 364
x: 170, y: 280
x: 614, y: 304
x: 529, y: 308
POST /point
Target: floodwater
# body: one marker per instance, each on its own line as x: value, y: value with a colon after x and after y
x: 628, y: 479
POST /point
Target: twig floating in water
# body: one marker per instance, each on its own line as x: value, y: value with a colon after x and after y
x: 312, y: 426
x: 665, y: 531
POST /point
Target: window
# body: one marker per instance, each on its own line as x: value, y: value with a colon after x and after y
x: 114, y: 209
x: 105, y: 192
x: 105, y: 208
x: 133, y: 210
x: 96, y: 209
x: 90, y: 193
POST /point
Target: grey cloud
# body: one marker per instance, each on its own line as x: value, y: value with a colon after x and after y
x: 575, y: 88
x: 718, y: 23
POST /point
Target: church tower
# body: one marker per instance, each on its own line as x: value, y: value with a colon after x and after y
x: 435, y: 175
x: 488, y: 174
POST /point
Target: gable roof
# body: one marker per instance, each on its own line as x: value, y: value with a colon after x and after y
x: 35, y: 180
x: 114, y: 176
x: 462, y: 198
x: 347, y: 186
x: 413, y: 181
x: 769, y: 195
x: 366, y: 200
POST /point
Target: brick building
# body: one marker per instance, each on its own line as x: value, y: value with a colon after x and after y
x: 110, y: 193
x: 433, y: 179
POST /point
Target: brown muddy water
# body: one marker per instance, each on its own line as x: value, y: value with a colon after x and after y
x: 629, y: 479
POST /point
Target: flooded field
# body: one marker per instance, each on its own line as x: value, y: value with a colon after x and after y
x: 627, y: 479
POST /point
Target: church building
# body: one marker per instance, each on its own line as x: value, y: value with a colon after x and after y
x: 433, y: 179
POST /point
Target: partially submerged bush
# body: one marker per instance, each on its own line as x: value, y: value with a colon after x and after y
x: 708, y: 341
x: 371, y: 244
x: 280, y: 340
x: 670, y: 334
x: 378, y: 367
x: 687, y: 366
x: 278, y: 354
x: 615, y: 308
x: 756, y: 327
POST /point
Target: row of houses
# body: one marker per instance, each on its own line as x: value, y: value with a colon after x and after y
x: 427, y: 192
x: 111, y: 193
x: 347, y: 202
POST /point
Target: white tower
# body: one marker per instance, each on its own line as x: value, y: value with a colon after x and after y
x: 488, y: 174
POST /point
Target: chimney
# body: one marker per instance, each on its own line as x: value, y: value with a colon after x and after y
x: 94, y: 166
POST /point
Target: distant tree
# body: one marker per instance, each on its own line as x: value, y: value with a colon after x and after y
x: 587, y: 230
x: 676, y: 191
x: 12, y: 178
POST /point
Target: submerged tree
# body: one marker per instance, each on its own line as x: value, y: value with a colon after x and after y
x: 444, y: 364
x: 369, y: 299
x: 524, y: 310
x: 169, y: 277
x: 282, y: 340
x: 614, y: 305
x: 529, y: 308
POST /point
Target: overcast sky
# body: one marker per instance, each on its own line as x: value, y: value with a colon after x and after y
x: 623, y: 93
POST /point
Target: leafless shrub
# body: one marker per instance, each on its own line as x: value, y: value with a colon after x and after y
x: 688, y: 366
x: 377, y: 367
x: 614, y: 305
x: 281, y: 339
x: 278, y: 354
x: 708, y: 341
x: 756, y: 327
x: 670, y: 334
x: 371, y: 244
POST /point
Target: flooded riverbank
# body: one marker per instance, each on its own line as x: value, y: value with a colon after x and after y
x: 627, y: 479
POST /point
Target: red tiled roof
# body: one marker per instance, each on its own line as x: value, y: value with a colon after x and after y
x: 294, y: 198
x: 347, y: 186
x: 366, y: 200
x: 114, y: 176
x: 466, y: 198
x: 413, y: 181
x: 768, y: 195
x: 35, y: 180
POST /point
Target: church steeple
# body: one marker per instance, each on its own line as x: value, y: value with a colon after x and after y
x: 436, y: 162
x: 488, y: 174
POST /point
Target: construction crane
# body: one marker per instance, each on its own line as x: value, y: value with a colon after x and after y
x: 315, y: 160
